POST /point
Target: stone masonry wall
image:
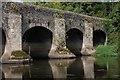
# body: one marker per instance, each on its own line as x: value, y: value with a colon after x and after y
x: 18, y: 18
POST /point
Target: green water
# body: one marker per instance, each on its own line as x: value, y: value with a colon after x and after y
x: 81, y: 67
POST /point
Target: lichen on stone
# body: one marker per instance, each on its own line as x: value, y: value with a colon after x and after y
x: 15, y: 7
x: 59, y: 15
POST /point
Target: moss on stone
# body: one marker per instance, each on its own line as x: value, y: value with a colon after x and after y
x: 19, y: 55
x: 63, y: 51
x: 59, y: 15
x: 15, y: 7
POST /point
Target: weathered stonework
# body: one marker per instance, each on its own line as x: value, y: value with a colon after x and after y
x: 59, y: 33
x: 87, y: 38
x: 18, y: 18
x: 1, y: 29
x: 14, y: 35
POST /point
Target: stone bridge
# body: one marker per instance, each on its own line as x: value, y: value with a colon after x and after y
x: 48, y: 33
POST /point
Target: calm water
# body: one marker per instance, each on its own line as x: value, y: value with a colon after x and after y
x: 81, y: 67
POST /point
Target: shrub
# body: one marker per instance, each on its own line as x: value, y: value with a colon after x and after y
x: 108, y: 50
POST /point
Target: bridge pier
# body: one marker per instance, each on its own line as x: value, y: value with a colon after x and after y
x: 87, y: 48
x: 13, y: 36
x: 59, y: 49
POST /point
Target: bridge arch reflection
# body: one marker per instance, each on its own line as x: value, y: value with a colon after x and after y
x: 79, y: 68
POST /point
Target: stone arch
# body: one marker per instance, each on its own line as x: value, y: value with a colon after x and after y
x: 74, y: 41
x: 99, y: 37
x: 37, y: 42
x: 72, y: 27
x: 31, y: 25
x: 2, y: 41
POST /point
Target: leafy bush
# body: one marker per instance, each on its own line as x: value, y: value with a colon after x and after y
x: 108, y: 50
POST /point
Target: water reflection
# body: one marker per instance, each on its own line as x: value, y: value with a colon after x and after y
x: 119, y: 53
x: 101, y: 71
x: 88, y: 65
x: 13, y: 71
x: 75, y: 70
x: 40, y: 69
x: 81, y: 67
x: 119, y: 65
x: 59, y: 67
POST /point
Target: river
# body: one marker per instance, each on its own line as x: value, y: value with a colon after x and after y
x: 76, y: 68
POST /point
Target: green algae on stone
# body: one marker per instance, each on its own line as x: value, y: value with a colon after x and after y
x: 63, y: 51
x: 19, y: 55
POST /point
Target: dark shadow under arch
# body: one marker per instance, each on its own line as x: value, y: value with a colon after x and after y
x: 99, y: 37
x: 37, y: 42
x: 74, y: 41
x: 3, y: 42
